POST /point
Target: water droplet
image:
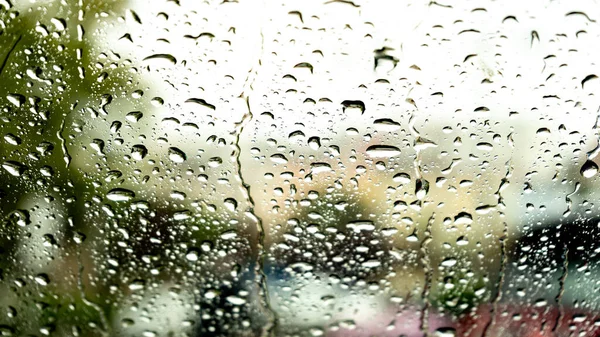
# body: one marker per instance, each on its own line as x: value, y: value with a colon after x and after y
x: 383, y: 151
x: 589, y: 169
x: 137, y: 284
x: 115, y: 126
x: 463, y: 218
x: 228, y: 235
x: 192, y: 254
x: 16, y: 99
x: 161, y: 59
x: 182, y: 215
x: 236, y: 300
x: 138, y: 152
x: 201, y: 102
x: 176, y: 155
x: 230, y: 204
x: 42, y: 279
x: 421, y: 188
x: 12, y: 139
x: 371, y: 264
x: 361, y: 225
x: 445, y: 332
x: 485, y: 146
x: 134, y: 116
x: 320, y: 167
x: 314, y: 143
x: 14, y: 168
x: 120, y: 194
x: 59, y: 24
x: 316, y: 332
x: 279, y: 158
x: 386, y: 125
x: 353, y: 105
x: 402, y: 178
x: 215, y: 162
x: 157, y: 101
x: 449, y: 262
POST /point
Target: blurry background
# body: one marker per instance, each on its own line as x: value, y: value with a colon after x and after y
x: 299, y: 168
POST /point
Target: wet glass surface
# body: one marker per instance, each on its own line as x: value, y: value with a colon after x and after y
x: 299, y: 168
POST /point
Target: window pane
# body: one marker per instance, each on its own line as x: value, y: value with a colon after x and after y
x: 299, y: 168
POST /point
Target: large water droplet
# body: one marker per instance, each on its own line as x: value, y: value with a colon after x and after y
x: 138, y: 152
x: 445, y: 332
x: 14, y: 168
x: 382, y: 151
x: 589, y: 169
x: 176, y: 155
x: 120, y: 194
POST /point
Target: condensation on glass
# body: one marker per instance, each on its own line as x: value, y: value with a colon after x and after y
x: 299, y: 168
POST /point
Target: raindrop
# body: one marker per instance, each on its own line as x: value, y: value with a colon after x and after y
x: 12, y: 139
x: 138, y: 152
x: 449, y: 262
x: 386, y: 125
x: 382, y: 151
x: 445, y: 332
x: 229, y: 235
x: 134, y: 116
x: 230, y: 204
x: 320, y: 167
x: 421, y: 188
x: 161, y: 59
x: 589, y: 169
x: 279, y: 158
x: 235, y: 300
x: 16, y: 99
x: 120, y: 194
x: 42, y: 279
x: 137, y: 284
x: 157, y: 101
x: 192, y: 254
x: 314, y: 143
x: 14, y: 168
x: 215, y: 162
x: 371, y: 264
x: 351, y: 105
x: 402, y: 178
x: 176, y: 155
x: 201, y: 102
